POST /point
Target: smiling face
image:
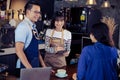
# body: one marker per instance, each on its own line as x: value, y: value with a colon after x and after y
x: 34, y: 13
x: 59, y: 23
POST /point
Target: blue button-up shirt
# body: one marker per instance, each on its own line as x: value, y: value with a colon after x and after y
x: 23, y: 32
x: 97, y: 62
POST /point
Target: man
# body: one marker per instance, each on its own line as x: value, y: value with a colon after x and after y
x: 26, y: 37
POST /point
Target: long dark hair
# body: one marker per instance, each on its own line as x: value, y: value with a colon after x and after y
x: 56, y: 17
x: 101, y: 33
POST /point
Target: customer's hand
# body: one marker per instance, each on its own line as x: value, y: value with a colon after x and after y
x: 74, y: 76
x: 52, y: 71
x: 110, y: 23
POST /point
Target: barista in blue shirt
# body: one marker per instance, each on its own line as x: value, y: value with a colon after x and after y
x: 26, y: 38
x: 98, y: 61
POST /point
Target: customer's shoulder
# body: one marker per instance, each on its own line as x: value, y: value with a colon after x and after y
x: 114, y: 49
x: 88, y: 47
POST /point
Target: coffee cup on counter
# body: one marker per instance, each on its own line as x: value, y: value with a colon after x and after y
x: 61, y: 72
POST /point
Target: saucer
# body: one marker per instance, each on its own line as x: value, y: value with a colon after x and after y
x: 61, y: 76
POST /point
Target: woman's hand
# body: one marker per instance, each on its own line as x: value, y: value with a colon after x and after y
x: 59, y: 49
x: 66, y: 54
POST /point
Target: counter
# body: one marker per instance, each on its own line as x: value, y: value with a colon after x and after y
x: 8, y: 51
x: 70, y: 69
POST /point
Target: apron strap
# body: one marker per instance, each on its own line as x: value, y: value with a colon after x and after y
x: 35, y: 33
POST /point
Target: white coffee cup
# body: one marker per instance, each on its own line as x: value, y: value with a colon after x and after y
x: 61, y: 72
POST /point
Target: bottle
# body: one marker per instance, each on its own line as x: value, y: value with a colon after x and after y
x: 83, y: 19
x: 83, y: 16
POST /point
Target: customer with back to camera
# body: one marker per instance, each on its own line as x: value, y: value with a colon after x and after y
x: 98, y: 61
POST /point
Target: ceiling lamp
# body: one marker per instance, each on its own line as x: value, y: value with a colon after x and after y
x: 71, y: 0
x: 91, y: 2
x: 106, y: 4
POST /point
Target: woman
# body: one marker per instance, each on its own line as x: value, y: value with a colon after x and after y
x: 57, y: 42
x: 98, y: 61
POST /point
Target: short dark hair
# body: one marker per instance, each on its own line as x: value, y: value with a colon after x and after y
x: 101, y: 33
x: 30, y: 4
x: 56, y: 17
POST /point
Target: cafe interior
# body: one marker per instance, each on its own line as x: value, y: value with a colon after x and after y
x: 80, y: 15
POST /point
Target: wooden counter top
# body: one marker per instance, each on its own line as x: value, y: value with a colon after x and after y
x: 70, y: 70
x: 8, y: 51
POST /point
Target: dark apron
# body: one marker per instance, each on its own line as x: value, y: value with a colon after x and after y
x: 32, y: 53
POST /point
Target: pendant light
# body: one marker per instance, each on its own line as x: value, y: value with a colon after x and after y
x: 71, y: 0
x: 91, y: 2
x: 106, y: 4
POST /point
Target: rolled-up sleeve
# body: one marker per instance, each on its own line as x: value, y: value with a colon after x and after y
x: 20, y: 34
